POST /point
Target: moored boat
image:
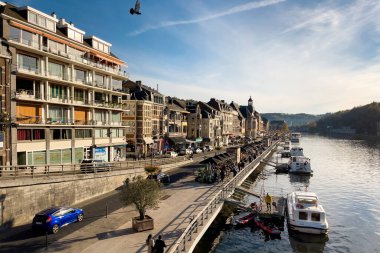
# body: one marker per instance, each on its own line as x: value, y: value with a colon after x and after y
x: 299, y: 165
x: 296, y: 151
x: 246, y: 219
x: 295, y: 137
x: 269, y: 229
x: 305, y: 214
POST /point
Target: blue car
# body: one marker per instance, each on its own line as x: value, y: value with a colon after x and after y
x: 54, y: 218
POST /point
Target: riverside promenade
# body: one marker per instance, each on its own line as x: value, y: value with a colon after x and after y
x: 184, y: 214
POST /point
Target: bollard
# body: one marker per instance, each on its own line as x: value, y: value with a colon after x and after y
x: 46, y: 240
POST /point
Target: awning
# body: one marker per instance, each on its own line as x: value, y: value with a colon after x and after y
x: 177, y: 140
x: 148, y: 140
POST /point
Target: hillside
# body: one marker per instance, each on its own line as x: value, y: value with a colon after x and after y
x: 363, y: 119
x: 293, y: 120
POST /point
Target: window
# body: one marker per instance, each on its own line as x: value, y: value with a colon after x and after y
x: 101, y: 116
x: 58, y: 91
x: 55, y: 69
x: 32, y: 17
x: 106, y: 49
x: 99, y: 79
x: 315, y: 216
x: 38, y: 134
x: 302, y: 215
x: 60, y: 134
x: 80, y: 75
x: 117, y: 132
x: 101, y: 133
x: 95, y: 44
x: 50, y: 25
x: 24, y: 135
x: 116, y: 117
x: 100, y: 97
x: 58, y: 114
x: 79, y: 95
x: 116, y: 84
x: 74, y: 35
x: 83, y: 133
x: 28, y: 62
x: 75, y: 52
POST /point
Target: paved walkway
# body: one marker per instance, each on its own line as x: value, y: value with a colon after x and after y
x: 182, y: 200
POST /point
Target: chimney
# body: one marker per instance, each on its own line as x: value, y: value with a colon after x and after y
x: 62, y: 21
x: 72, y: 24
x: 53, y: 15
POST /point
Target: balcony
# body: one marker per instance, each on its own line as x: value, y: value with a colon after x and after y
x: 29, y: 120
x: 83, y: 122
x: 26, y: 69
x: 59, y: 121
x: 27, y: 94
x: 81, y: 101
x: 29, y: 43
x: 60, y: 99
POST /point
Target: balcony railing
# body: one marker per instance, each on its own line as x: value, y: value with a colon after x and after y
x: 81, y: 100
x: 26, y: 68
x: 29, y: 43
x: 62, y: 98
x: 21, y: 93
x: 83, y: 122
x: 29, y: 120
x: 59, y: 121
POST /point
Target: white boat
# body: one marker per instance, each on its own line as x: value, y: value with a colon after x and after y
x: 286, y: 146
x: 296, y: 151
x: 300, y: 165
x: 295, y: 138
x: 305, y: 214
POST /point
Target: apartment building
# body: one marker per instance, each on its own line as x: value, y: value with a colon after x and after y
x: 226, y: 118
x: 150, y: 105
x: 238, y: 121
x: 129, y: 121
x: 5, y: 117
x: 211, y: 127
x: 175, y: 116
x: 66, y: 91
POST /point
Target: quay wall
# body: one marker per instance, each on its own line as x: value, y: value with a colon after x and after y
x: 21, y: 199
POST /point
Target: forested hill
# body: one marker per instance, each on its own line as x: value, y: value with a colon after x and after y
x: 363, y: 119
x: 299, y: 119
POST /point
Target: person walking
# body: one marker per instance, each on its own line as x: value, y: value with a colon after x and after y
x: 150, y: 243
x: 268, y: 200
x: 159, y: 245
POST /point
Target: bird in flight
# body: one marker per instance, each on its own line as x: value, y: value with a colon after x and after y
x: 136, y: 10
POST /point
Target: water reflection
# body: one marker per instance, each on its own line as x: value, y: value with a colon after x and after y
x: 302, y: 179
x: 301, y: 243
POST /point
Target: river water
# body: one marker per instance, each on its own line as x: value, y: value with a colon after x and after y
x: 346, y: 179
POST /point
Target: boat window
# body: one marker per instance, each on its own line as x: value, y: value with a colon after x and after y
x: 302, y: 215
x: 315, y: 216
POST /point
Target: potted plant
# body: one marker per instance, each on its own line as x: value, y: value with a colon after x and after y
x: 144, y: 194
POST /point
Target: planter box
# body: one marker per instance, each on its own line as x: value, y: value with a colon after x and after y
x: 142, y: 225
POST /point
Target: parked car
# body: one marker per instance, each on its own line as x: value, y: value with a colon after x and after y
x: 90, y: 165
x: 54, y: 218
x: 160, y: 177
x: 198, y: 150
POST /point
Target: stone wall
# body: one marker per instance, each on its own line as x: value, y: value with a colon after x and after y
x: 21, y: 199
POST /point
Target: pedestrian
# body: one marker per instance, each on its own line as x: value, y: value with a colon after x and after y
x: 150, y: 243
x: 159, y: 245
x: 268, y: 201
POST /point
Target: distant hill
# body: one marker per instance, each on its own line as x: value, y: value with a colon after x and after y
x: 293, y: 120
x: 362, y: 119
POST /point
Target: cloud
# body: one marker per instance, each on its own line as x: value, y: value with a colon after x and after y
x: 231, y: 11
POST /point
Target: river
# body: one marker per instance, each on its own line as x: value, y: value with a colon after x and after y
x: 346, y: 179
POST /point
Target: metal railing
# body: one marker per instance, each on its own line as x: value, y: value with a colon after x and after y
x: 32, y: 171
x: 185, y: 240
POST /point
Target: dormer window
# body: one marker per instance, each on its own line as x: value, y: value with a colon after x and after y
x: 75, y: 35
x: 39, y: 18
x: 99, y: 44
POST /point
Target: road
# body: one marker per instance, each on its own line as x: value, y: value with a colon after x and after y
x: 23, y: 239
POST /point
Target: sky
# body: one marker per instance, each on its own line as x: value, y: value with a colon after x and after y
x: 291, y: 56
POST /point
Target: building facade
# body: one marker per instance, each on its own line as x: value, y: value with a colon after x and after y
x: 150, y: 105
x: 175, y: 124
x: 65, y: 88
x: 251, y: 120
x: 226, y: 118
